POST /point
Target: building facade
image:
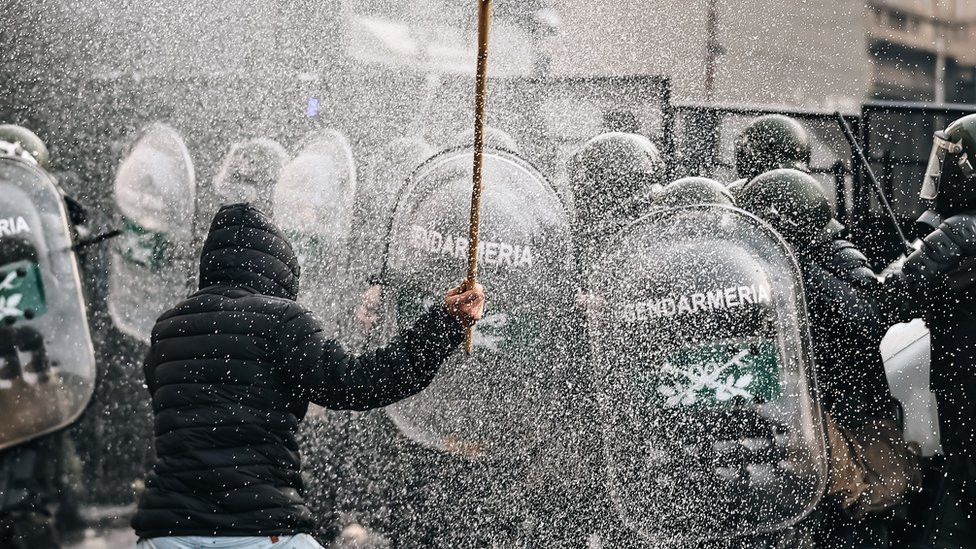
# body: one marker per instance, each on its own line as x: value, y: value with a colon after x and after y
x: 923, y: 50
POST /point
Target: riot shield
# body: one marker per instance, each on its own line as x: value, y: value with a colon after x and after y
x: 249, y: 173
x: 706, y: 387
x: 488, y: 404
x: 313, y: 204
x: 47, y: 364
x: 155, y: 193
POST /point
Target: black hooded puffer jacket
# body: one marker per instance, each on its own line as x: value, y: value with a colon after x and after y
x: 231, y: 371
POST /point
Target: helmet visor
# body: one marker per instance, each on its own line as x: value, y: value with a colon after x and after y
x: 941, y: 147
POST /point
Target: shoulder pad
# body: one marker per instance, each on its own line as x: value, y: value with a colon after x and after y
x: 843, y: 246
x: 930, y: 219
x: 849, y: 263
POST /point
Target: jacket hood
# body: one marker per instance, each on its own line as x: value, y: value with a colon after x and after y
x: 244, y: 248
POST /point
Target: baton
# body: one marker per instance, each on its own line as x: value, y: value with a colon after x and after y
x: 882, y: 199
x: 88, y: 242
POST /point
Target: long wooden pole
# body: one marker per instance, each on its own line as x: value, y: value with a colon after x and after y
x: 481, y: 89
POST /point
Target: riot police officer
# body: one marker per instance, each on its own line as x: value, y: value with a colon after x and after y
x: 35, y: 472
x: 872, y: 466
x: 613, y: 177
x: 936, y: 283
x: 768, y: 143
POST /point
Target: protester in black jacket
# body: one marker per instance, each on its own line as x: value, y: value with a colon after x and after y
x: 232, y: 370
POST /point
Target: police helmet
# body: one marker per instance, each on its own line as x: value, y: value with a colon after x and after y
x: 20, y: 142
x: 793, y: 203
x: 688, y: 191
x: 613, y: 169
x: 494, y: 139
x: 771, y: 142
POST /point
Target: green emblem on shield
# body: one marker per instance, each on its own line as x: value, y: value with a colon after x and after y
x: 21, y: 291
x: 143, y: 247
x: 719, y: 374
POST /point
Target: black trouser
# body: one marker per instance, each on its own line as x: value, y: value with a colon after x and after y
x: 31, y: 490
x: 943, y: 516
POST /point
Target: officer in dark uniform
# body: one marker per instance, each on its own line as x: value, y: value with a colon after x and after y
x: 770, y: 142
x: 938, y: 284
x: 872, y: 467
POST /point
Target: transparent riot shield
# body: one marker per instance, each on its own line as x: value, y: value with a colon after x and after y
x: 249, y: 173
x: 313, y: 204
x: 47, y: 364
x: 155, y: 193
x: 706, y: 386
x: 488, y: 404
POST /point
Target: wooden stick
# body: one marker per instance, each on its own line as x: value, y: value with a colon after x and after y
x: 481, y: 87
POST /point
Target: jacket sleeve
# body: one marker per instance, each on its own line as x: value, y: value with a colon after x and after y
x: 323, y: 373
x: 846, y: 326
x: 912, y: 291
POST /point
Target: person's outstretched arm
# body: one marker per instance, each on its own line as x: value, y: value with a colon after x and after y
x: 326, y: 375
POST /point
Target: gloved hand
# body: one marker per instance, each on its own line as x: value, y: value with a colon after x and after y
x: 943, y: 249
x: 872, y: 467
x: 940, y: 265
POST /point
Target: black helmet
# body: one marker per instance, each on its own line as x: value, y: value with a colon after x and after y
x: 614, y: 169
x: 694, y: 190
x: 950, y: 178
x: 21, y: 142
x: 771, y: 142
x: 793, y: 203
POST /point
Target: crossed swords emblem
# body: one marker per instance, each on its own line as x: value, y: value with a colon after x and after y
x: 706, y: 376
x: 8, y: 305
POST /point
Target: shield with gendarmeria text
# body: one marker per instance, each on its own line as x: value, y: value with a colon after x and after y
x: 47, y: 364
x: 705, y: 382
x: 488, y: 404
